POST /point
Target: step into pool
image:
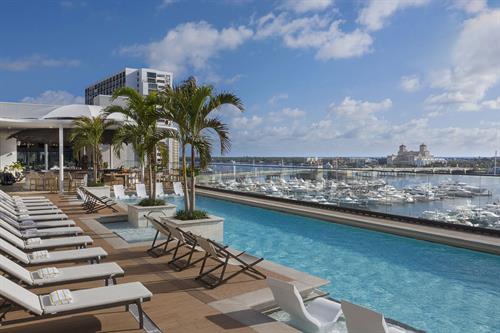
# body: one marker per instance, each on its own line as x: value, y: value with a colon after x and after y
x: 429, y: 286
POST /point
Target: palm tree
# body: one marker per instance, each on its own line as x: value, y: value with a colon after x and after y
x: 141, y: 129
x: 88, y: 133
x: 192, y: 107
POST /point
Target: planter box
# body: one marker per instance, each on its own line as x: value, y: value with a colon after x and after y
x: 136, y: 213
x: 212, y: 227
x: 100, y: 191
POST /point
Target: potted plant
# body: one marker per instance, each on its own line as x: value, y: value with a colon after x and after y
x: 142, y: 131
x: 192, y: 108
x: 149, y: 207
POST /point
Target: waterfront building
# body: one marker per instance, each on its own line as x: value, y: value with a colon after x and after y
x: 38, y: 135
x: 408, y: 158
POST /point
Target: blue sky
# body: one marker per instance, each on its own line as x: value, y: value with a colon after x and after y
x: 317, y: 77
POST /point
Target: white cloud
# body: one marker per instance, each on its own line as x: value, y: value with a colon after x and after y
x: 190, y: 46
x: 410, y: 83
x: 242, y: 122
x: 377, y: 12
x: 470, y: 6
x: 54, y: 97
x: 303, y: 6
x: 293, y: 112
x: 493, y: 104
x: 35, y: 61
x: 358, y: 108
x: 475, y: 65
x: 316, y: 32
x: 276, y: 98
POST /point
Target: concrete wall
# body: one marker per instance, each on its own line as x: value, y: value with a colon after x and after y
x: 8, y: 149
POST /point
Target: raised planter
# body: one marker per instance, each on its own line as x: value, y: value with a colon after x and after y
x: 100, y: 191
x: 136, y: 213
x: 211, y: 228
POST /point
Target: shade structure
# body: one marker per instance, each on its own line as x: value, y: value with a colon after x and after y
x: 51, y: 136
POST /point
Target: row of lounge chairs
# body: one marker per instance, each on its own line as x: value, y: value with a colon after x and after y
x: 29, y: 227
x: 221, y: 254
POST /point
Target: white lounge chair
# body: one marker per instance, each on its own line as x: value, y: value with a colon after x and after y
x: 47, y: 232
x: 24, y: 217
x: 92, y: 254
x: 119, y: 192
x: 28, y: 224
x: 23, y: 198
x: 34, y: 244
x: 159, y: 190
x: 363, y: 320
x: 29, y: 206
x: 318, y: 316
x: 25, y: 211
x: 178, y: 189
x: 82, y: 300
x: 80, y: 273
x: 141, y: 190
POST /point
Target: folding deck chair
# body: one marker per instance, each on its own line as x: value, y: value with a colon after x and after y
x: 84, y: 300
x: 93, y: 203
x: 90, y: 254
x: 225, y: 257
x: 163, y: 230
x: 45, y: 277
x: 184, y: 239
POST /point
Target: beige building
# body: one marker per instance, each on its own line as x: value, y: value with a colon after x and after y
x: 405, y: 157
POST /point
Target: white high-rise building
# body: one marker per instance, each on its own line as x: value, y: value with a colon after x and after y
x: 143, y: 80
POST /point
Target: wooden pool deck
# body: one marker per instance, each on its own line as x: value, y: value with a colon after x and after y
x: 179, y: 303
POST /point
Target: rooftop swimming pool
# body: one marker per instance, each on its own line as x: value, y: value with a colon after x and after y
x: 430, y: 286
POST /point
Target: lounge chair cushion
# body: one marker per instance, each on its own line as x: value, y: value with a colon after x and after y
x: 81, y: 254
x: 96, y: 297
x: 60, y: 242
x: 75, y: 273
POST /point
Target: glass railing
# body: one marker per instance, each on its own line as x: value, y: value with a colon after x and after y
x: 457, y: 199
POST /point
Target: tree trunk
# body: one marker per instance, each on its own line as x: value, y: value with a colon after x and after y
x: 153, y: 164
x: 151, y: 181
x: 94, y: 162
x: 184, y: 177
x: 193, y: 179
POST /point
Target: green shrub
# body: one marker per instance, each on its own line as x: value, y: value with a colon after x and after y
x: 151, y: 202
x: 196, y: 215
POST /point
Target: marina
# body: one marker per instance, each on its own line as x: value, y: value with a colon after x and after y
x: 458, y: 199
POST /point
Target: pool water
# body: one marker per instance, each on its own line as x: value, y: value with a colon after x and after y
x: 430, y: 286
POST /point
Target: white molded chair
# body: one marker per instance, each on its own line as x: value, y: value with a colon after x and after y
x: 141, y: 190
x: 363, y: 320
x: 319, y: 315
x: 178, y: 189
x: 119, y: 192
x: 159, y: 190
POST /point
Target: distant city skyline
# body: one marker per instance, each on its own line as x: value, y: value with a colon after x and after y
x: 318, y: 77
